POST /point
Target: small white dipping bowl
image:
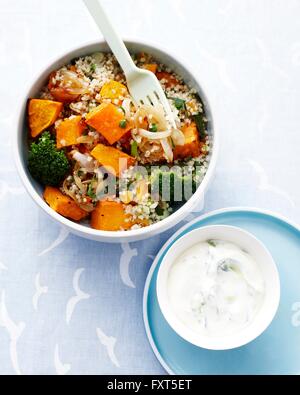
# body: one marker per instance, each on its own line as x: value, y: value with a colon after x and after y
x: 269, y: 272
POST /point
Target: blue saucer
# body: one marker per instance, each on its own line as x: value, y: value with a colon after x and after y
x: 277, y: 350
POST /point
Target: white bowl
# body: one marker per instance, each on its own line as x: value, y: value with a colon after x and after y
x: 35, y: 190
x: 269, y: 272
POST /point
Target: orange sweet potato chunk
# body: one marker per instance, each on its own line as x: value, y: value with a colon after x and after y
x: 192, y: 147
x: 42, y: 114
x: 114, y: 160
x: 169, y: 80
x: 111, y: 216
x: 69, y: 130
x: 106, y: 120
x: 113, y: 90
x: 151, y: 67
x: 63, y: 204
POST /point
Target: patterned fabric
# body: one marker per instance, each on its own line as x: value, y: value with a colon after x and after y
x: 72, y: 306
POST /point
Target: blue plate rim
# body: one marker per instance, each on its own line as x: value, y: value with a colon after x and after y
x: 171, y: 239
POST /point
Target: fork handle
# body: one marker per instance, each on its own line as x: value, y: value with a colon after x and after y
x: 111, y: 36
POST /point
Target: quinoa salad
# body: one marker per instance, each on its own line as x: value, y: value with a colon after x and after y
x: 106, y: 161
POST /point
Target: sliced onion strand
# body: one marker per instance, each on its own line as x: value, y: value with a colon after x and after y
x: 167, y: 149
x: 154, y: 135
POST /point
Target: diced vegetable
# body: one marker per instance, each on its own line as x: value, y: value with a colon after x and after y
x: 123, y: 124
x: 63, y: 204
x: 111, y: 216
x: 63, y: 95
x: 106, y: 120
x: 114, y: 160
x: 69, y: 130
x: 151, y: 67
x: 68, y: 87
x: 169, y: 80
x: 153, y: 128
x: 180, y: 104
x: 134, y: 149
x: 192, y: 146
x: 113, y: 90
x: 45, y: 163
x: 198, y: 118
x: 42, y: 114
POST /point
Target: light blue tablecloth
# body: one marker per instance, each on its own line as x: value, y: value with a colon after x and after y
x: 69, y: 305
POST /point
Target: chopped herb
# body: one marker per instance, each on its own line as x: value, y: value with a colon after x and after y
x: 123, y: 124
x: 93, y: 67
x: 153, y: 128
x: 180, y: 104
x: 212, y: 243
x: 200, y: 125
x: 227, y: 265
x: 80, y: 173
x: 91, y: 192
x: 134, y: 149
x: 123, y: 109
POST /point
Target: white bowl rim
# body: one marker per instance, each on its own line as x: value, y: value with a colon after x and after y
x: 248, y: 333
x: 80, y: 229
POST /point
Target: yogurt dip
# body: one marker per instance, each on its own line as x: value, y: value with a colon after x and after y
x: 215, y: 288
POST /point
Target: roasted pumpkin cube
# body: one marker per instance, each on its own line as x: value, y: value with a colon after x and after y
x: 151, y: 67
x: 69, y: 130
x: 114, y: 160
x: 192, y: 146
x: 113, y: 90
x: 63, y: 204
x: 42, y: 114
x: 111, y: 216
x: 109, y: 120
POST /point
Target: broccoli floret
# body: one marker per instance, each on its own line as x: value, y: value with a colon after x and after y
x: 172, y: 187
x: 45, y: 163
